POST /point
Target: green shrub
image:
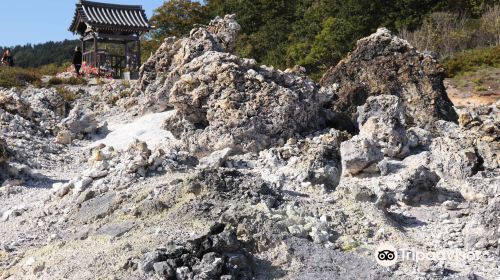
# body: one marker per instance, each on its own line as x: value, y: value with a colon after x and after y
x: 67, y: 81
x: 16, y: 77
x: 51, y: 69
x: 480, y: 88
x: 55, y: 81
x: 66, y: 94
x: 126, y: 83
x: 75, y: 81
x: 471, y: 60
x: 124, y: 93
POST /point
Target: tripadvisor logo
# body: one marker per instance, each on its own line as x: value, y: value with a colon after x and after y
x: 386, y: 255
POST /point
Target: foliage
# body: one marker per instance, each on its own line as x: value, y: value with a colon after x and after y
x: 329, y: 46
x: 16, y: 77
x: 52, y: 69
x: 66, y: 94
x: 34, y: 56
x: 445, y: 33
x: 67, y: 81
x: 313, y: 33
x: 177, y: 17
x: 471, y: 60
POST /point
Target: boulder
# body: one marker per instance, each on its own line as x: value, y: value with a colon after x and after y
x: 409, y: 181
x: 482, y: 231
x: 4, y: 154
x: 385, y: 64
x: 413, y: 186
x: 358, y: 154
x: 490, y: 154
x: 222, y: 101
x: 12, y: 102
x: 382, y: 119
x: 80, y: 121
x: 454, y: 158
x: 160, y: 72
x: 314, y: 159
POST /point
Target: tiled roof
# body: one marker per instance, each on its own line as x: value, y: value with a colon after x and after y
x: 110, y: 16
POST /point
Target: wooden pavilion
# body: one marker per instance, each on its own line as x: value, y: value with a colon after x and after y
x: 118, y: 28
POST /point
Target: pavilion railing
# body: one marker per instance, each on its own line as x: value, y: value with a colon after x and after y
x: 106, y: 62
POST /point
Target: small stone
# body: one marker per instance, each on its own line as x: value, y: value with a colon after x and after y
x: 215, y: 159
x: 163, y: 269
x: 464, y: 118
x: 97, y: 155
x: 297, y: 231
x: 450, y: 205
x: 182, y: 272
x: 82, y: 184
x: 63, y: 137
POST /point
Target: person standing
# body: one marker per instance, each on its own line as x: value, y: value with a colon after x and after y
x: 7, y: 58
x: 77, y: 60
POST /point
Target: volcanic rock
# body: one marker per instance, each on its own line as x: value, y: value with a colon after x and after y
x: 454, y: 158
x: 225, y: 101
x: 358, y: 154
x: 385, y: 64
x: 11, y: 102
x: 382, y: 119
x: 160, y: 72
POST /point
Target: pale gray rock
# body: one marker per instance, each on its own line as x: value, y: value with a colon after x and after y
x: 63, y: 137
x: 215, y: 159
x: 314, y: 159
x: 222, y: 100
x: 12, y: 102
x: 482, y: 231
x: 160, y: 72
x: 490, y: 154
x: 382, y: 119
x: 358, y: 154
x: 80, y: 121
x: 226, y: 101
x: 453, y: 158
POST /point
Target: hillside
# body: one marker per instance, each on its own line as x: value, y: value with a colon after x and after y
x: 34, y: 56
x: 212, y: 166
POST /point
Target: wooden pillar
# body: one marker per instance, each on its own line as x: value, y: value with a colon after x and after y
x: 96, y: 62
x: 138, y: 52
x: 126, y: 55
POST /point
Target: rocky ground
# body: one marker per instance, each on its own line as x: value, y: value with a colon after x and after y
x: 214, y: 167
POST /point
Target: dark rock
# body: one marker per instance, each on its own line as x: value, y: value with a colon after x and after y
x: 164, y: 270
x: 115, y: 230
x: 207, y: 257
x: 385, y: 64
x: 96, y: 208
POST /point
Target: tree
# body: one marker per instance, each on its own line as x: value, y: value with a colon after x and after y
x: 173, y: 18
x: 266, y: 25
x: 177, y: 17
x: 334, y: 41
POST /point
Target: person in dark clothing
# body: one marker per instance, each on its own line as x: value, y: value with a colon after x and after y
x: 7, y: 58
x: 77, y: 60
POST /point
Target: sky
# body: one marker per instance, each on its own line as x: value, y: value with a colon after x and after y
x: 39, y: 21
